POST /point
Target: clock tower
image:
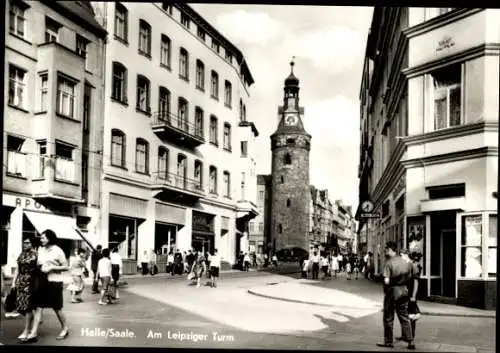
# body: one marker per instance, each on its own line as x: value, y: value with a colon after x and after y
x: 290, y: 196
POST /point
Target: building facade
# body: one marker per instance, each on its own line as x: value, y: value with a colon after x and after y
x: 322, y: 233
x: 53, y: 124
x: 259, y: 227
x: 176, y: 96
x: 290, y: 200
x: 429, y: 145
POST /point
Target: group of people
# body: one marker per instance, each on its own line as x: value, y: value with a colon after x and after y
x: 38, y: 281
x: 200, y: 264
x: 330, y: 265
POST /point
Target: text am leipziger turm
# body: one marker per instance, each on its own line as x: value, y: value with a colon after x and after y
x: 290, y: 199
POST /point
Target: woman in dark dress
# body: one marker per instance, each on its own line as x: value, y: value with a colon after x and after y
x: 24, y: 283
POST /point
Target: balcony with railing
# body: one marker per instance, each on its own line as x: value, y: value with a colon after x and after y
x: 171, y: 127
x: 177, y: 187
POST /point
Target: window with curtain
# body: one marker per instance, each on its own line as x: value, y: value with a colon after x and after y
x: 227, y: 137
x: 182, y: 114
x: 214, y: 88
x: 228, y: 93
x: 119, y: 82
x: 198, y: 112
x: 164, y: 104
x: 471, y: 246
x: 143, y: 94
x: 162, y: 162
x: 165, y: 51
x: 184, y: 64
x: 213, y: 180
x: 213, y: 130
x: 17, y: 19
x: 44, y: 91
x: 198, y: 174
x: 65, y: 97
x: 117, y: 148
x: 144, y: 38
x: 227, y: 184
x: 200, y: 75
x: 447, y: 96
x: 17, y: 87
x: 142, y: 156
x: 121, y: 22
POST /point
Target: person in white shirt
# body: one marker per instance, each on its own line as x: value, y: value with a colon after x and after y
x: 305, y: 267
x: 324, y: 266
x: 144, y: 263
x: 116, y: 270
x: 315, y: 265
x: 246, y: 262
x: 104, y: 272
x: 170, y: 263
x: 275, y: 260
x: 215, y: 261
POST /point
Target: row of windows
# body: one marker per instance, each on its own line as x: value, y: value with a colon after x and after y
x: 119, y: 88
x: 252, y: 227
x: 145, y: 35
x: 118, y: 159
x: 121, y: 30
x: 65, y: 99
x: 17, y: 27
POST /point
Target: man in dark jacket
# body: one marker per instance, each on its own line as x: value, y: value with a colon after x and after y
x: 397, y: 273
x: 94, y: 260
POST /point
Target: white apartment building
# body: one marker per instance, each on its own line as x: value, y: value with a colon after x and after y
x: 175, y: 115
x: 429, y: 145
x: 52, y: 138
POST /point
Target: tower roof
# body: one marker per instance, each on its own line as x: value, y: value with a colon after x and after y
x: 292, y: 80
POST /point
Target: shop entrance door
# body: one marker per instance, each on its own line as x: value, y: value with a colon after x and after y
x: 448, y: 269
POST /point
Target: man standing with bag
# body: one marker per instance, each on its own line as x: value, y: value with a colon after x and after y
x: 94, y: 260
x: 397, y: 273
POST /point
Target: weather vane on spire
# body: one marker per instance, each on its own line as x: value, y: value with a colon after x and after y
x: 292, y: 63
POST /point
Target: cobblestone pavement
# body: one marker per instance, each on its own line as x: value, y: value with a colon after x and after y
x: 158, y: 312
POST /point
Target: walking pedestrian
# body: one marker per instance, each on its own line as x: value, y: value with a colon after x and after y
x: 51, y: 262
x: 340, y: 259
x: 371, y: 266
x: 23, y: 283
x: 305, y: 267
x: 215, y: 262
x: 315, y: 265
x: 199, y: 267
x: 144, y: 263
x: 397, y: 273
x: 274, y: 260
x: 104, y: 269
x: 335, y: 265
x: 356, y: 266
x: 77, y: 269
x: 246, y: 262
x: 94, y: 260
x: 178, y: 263
x: 348, y: 267
x: 116, y: 271
x: 208, y: 260
x: 153, y: 269
x: 266, y: 260
x: 413, y: 309
x: 324, y: 266
x: 170, y: 263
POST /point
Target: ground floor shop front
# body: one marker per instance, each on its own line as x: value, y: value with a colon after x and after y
x: 139, y: 224
x: 22, y: 216
x: 451, y: 220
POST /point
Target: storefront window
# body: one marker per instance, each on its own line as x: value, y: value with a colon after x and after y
x: 492, y: 247
x: 123, y: 235
x: 471, y: 254
x: 416, y: 239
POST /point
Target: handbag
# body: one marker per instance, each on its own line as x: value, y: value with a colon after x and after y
x: 10, y: 301
x: 413, y: 310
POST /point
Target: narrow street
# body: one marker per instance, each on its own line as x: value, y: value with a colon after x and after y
x: 166, y: 312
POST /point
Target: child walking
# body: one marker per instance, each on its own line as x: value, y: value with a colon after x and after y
x: 104, y: 272
x: 78, y: 269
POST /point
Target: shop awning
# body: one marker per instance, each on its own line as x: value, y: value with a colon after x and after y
x: 61, y: 225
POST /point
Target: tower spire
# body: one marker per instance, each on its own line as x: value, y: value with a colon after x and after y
x: 292, y: 63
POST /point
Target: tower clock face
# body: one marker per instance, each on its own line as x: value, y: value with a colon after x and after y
x: 291, y: 120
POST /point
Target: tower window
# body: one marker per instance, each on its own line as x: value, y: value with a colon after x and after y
x: 290, y: 141
x: 280, y: 228
x: 288, y: 159
x: 288, y: 203
x: 282, y: 179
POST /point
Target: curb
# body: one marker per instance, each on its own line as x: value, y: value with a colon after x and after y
x: 423, y: 312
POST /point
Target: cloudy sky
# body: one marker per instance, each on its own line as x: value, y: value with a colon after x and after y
x: 328, y: 43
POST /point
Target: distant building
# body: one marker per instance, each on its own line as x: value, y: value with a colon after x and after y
x: 259, y: 226
x: 53, y: 113
x: 429, y: 145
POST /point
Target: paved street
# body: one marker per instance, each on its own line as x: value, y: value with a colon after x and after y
x: 155, y: 311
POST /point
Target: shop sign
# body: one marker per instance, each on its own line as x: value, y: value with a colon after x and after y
x: 23, y: 202
x: 202, y: 222
x: 445, y: 43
